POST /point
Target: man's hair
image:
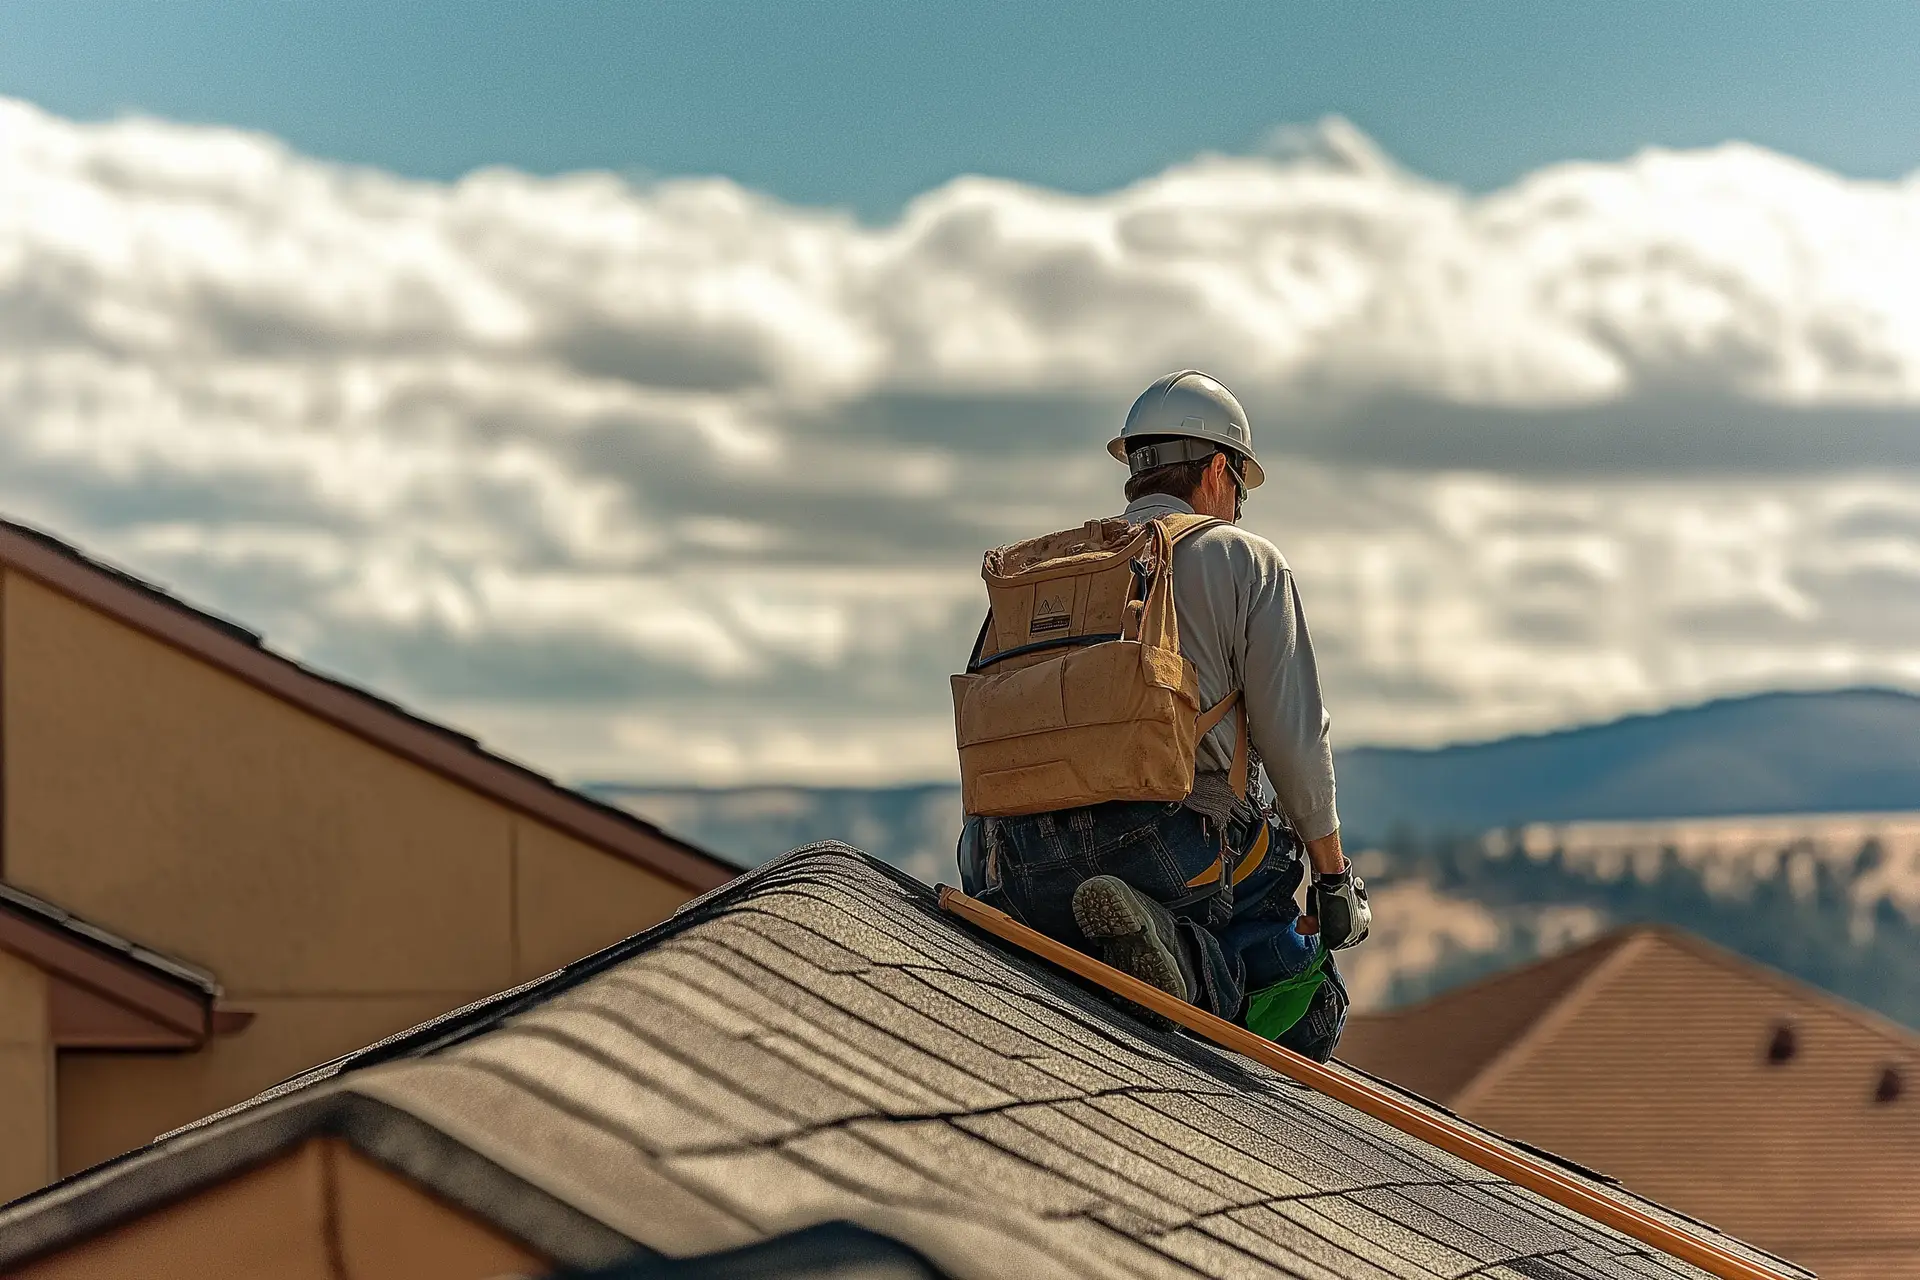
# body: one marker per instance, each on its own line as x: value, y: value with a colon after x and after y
x: 1176, y: 479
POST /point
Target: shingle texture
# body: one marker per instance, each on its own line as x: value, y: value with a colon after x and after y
x: 817, y: 1042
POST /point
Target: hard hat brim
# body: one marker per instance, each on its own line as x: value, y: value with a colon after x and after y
x: 1250, y: 468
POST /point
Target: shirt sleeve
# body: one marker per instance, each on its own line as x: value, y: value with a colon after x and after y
x: 1286, y: 717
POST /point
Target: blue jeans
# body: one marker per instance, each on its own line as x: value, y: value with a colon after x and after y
x: 1236, y: 917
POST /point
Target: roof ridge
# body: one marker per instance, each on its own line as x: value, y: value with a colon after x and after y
x: 1470, y: 995
x: 1595, y: 948
x: 1628, y: 944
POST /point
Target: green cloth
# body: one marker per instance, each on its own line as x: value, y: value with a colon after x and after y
x: 1272, y: 1011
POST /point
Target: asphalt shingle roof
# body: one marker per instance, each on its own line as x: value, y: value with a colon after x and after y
x: 817, y: 1041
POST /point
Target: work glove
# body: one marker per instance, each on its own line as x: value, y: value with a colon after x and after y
x: 1339, y: 903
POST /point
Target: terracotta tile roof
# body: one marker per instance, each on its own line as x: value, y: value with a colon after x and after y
x: 1697, y: 1078
x: 1437, y: 1047
x: 243, y: 653
x: 817, y: 1041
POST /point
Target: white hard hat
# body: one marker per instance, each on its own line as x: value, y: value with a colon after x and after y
x: 1187, y: 405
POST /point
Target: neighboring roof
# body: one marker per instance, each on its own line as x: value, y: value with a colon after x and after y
x: 243, y: 653
x: 109, y: 992
x: 817, y: 1041
x: 1438, y: 1047
x: 1695, y: 1076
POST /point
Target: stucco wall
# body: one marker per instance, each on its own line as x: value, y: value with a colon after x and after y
x: 319, y: 1212
x: 571, y: 899
x: 340, y: 891
x: 111, y: 1102
x: 26, y: 1079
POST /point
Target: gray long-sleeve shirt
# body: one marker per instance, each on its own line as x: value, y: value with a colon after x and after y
x: 1242, y: 627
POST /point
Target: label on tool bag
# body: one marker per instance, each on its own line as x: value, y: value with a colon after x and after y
x: 1051, y: 613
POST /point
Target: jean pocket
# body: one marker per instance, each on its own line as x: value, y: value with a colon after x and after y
x: 1167, y: 857
x: 1032, y: 844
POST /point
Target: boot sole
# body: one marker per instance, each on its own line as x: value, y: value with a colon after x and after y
x: 1116, y: 923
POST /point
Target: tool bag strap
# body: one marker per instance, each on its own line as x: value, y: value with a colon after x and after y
x: 1181, y: 524
x: 1213, y: 715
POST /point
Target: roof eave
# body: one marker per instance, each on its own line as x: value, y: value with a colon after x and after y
x: 106, y: 998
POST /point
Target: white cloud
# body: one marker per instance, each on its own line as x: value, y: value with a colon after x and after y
x: 681, y: 481
x: 1469, y: 604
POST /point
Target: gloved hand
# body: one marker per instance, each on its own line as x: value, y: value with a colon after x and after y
x: 1339, y: 903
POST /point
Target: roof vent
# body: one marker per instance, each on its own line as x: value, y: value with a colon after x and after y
x: 1890, y: 1086
x: 1784, y: 1044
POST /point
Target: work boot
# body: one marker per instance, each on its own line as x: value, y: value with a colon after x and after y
x: 1134, y: 934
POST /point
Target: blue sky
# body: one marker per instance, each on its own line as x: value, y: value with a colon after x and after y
x: 689, y: 479
x: 868, y: 104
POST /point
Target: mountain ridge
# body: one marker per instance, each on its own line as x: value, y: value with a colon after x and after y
x: 1782, y: 751
x: 1786, y: 751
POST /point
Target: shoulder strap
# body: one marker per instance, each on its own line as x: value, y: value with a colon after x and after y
x: 1183, y: 523
x: 1213, y: 715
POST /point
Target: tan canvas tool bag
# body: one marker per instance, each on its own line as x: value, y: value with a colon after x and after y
x: 1076, y: 692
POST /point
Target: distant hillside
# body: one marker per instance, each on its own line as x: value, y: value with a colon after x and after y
x: 1849, y: 751
x: 1835, y: 911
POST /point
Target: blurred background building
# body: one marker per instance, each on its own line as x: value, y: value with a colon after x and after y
x: 221, y: 868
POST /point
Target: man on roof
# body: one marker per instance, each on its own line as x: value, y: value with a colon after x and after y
x: 1131, y: 678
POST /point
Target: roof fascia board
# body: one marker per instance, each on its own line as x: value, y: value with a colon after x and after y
x: 122, y: 981
x: 362, y: 715
x: 84, y: 1019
